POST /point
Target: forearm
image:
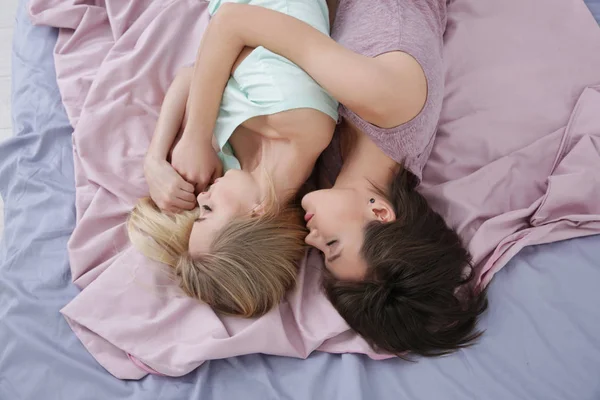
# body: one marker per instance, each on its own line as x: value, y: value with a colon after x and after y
x: 253, y: 26
x: 219, y: 49
x: 171, y: 115
x: 228, y: 33
x: 331, y: 65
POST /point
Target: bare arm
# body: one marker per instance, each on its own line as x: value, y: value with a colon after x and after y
x: 171, y: 115
x: 175, y: 110
x: 386, y: 91
x: 193, y: 155
x: 208, y: 82
x: 173, y: 166
x: 167, y: 188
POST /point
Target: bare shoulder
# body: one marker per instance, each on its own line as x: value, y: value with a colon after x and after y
x: 307, y: 126
x: 405, y: 94
x: 399, y: 61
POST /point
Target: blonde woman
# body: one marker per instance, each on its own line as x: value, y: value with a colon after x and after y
x: 236, y: 244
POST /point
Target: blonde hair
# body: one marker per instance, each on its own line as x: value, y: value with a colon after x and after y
x: 250, y: 265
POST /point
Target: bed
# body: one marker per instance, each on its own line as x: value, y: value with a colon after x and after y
x: 542, y: 329
x: 594, y: 6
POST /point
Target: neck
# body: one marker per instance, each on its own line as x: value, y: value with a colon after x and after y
x: 364, y: 164
x: 282, y: 166
x: 275, y: 162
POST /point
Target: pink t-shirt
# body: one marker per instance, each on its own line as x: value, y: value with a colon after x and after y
x: 416, y: 27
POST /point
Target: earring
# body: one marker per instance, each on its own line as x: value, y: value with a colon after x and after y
x: 372, y: 200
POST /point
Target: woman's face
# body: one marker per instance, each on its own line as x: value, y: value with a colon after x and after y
x: 233, y: 195
x: 336, y: 219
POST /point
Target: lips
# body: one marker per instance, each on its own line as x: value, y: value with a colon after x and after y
x: 308, y: 217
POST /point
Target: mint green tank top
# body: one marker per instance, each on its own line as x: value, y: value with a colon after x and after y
x: 265, y: 83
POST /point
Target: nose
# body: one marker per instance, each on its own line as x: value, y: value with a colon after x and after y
x: 201, y: 196
x: 312, y: 239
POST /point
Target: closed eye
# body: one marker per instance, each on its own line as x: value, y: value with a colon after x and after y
x: 334, y: 257
x: 206, y: 208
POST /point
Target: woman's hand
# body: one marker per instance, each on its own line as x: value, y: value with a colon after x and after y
x: 196, y: 161
x: 169, y: 191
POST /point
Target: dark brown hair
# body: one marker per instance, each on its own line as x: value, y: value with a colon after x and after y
x: 417, y: 296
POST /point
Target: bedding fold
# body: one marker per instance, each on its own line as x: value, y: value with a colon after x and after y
x: 515, y: 163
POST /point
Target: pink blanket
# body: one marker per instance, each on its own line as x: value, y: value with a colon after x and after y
x: 516, y: 162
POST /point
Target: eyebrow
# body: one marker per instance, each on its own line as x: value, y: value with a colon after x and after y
x: 333, y: 258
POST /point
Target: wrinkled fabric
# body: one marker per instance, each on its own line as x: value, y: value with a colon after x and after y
x: 372, y: 28
x: 513, y: 164
x: 517, y: 158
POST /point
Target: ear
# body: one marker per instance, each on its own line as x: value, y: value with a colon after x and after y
x: 382, y: 211
x: 258, y: 210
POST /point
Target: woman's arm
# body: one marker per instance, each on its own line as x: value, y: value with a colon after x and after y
x: 194, y: 156
x: 171, y: 115
x: 169, y: 191
x: 386, y: 91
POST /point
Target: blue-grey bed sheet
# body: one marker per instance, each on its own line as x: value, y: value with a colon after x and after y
x: 594, y: 6
x: 542, y: 336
